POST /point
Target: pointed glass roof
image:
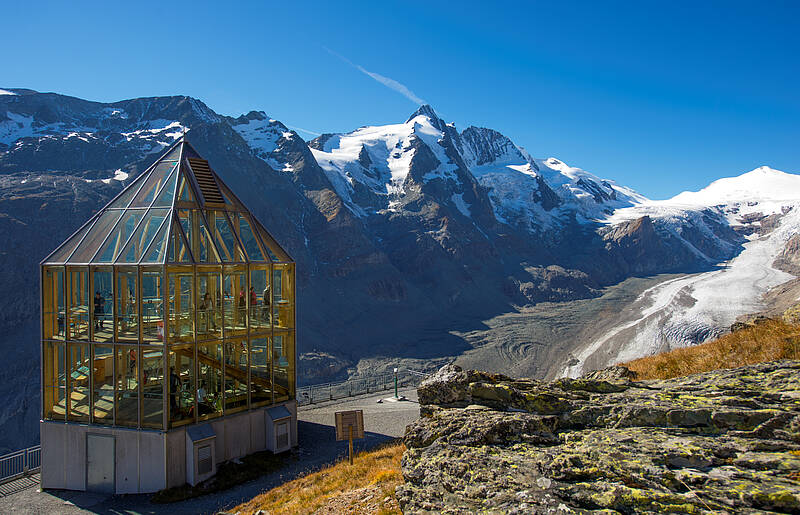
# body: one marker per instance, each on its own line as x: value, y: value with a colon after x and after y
x: 176, y: 211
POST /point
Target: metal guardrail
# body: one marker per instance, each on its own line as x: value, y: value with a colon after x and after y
x: 20, y: 463
x: 325, y: 392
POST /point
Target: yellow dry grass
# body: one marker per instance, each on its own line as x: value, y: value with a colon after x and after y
x: 766, y: 341
x: 333, y: 487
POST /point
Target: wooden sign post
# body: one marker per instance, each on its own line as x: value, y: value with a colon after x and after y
x: 349, y: 425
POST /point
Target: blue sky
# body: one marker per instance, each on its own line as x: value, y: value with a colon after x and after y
x: 662, y: 97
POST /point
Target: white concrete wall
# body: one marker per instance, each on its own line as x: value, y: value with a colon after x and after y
x: 75, y: 456
x: 54, y: 454
x: 126, y: 462
x: 138, y: 462
x: 176, y: 457
x: 152, y: 456
x: 148, y: 461
x: 237, y: 436
x: 258, y: 434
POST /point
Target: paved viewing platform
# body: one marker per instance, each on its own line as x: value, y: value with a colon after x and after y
x: 382, y: 422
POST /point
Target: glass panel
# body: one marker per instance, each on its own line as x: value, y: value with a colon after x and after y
x: 152, y: 387
x: 181, y: 307
x: 209, y: 302
x: 112, y: 247
x: 203, y: 248
x: 103, y: 305
x: 126, y: 369
x: 93, y: 240
x: 168, y: 191
x: 210, y: 388
x: 178, y: 248
x: 54, y: 394
x: 283, y: 365
x: 66, y: 248
x: 78, y: 382
x: 226, y: 241
x: 269, y: 245
x: 260, y: 372
x: 144, y: 235
x: 78, y: 299
x: 283, y: 295
x: 103, y: 376
x: 127, y: 306
x: 235, y: 302
x: 158, y: 177
x: 181, y: 384
x: 185, y: 193
x: 53, y: 312
x: 235, y: 375
x: 187, y: 224
x: 129, y: 192
x: 248, y: 239
x: 152, y: 306
x: 157, y: 251
x: 260, y: 306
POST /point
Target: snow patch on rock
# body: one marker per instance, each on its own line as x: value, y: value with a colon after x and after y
x: 264, y: 134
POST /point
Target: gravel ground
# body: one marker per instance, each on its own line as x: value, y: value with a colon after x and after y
x: 382, y: 422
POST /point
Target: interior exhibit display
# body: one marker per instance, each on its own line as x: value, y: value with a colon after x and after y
x: 168, y: 336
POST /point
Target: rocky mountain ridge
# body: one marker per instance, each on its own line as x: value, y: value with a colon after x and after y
x: 402, y: 233
x: 718, y: 442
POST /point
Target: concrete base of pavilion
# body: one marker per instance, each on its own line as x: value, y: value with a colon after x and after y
x: 121, y: 460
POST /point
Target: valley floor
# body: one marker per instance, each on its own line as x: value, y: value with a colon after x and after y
x: 536, y: 341
x: 638, y: 317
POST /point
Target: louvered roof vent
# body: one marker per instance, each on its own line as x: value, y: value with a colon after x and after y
x: 205, y: 180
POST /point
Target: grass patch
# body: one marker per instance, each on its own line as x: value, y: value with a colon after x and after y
x: 228, y: 475
x: 767, y: 341
x: 366, y: 486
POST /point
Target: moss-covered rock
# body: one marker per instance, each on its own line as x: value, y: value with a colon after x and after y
x: 726, y: 441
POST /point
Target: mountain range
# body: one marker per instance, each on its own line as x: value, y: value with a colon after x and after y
x: 406, y: 236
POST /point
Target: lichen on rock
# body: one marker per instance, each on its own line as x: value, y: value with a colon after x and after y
x: 726, y: 441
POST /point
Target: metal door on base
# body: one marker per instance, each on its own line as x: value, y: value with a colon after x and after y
x: 100, y: 463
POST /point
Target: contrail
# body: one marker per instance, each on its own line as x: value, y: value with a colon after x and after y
x: 386, y: 81
x: 305, y: 130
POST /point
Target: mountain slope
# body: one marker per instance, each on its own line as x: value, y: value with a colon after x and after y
x: 406, y: 235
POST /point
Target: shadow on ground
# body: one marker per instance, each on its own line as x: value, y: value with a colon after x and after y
x: 317, y: 448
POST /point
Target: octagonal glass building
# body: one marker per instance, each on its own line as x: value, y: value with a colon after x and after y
x: 168, y: 336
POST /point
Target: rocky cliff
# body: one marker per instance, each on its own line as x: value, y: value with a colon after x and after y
x: 726, y: 441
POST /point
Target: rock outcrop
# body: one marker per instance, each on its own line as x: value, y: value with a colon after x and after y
x: 726, y: 441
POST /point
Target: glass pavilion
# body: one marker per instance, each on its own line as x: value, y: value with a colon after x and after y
x: 171, y: 306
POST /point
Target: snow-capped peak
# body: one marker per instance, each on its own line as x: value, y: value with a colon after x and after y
x: 764, y: 184
x: 424, y: 110
x: 7, y: 92
x: 265, y: 136
x: 481, y: 146
x: 523, y: 191
x: 380, y: 158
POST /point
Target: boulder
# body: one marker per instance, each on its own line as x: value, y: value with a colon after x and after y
x: 726, y: 441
